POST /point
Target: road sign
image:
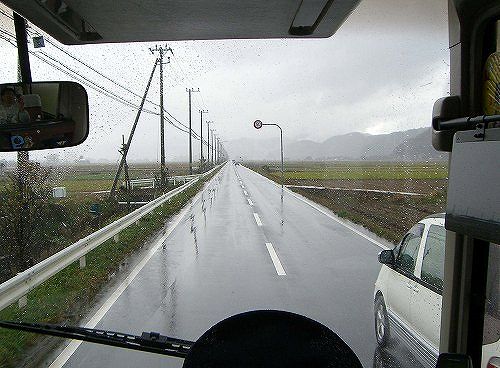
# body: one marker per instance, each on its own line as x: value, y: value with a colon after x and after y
x: 257, y: 124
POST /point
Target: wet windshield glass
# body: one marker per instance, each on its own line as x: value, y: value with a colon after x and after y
x: 142, y: 228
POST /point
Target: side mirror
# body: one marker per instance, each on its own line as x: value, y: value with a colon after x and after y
x: 42, y: 115
x: 446, y: 108
x: 386, y: 257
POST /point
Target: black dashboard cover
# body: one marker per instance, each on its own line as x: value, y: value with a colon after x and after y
x: 270, y: 338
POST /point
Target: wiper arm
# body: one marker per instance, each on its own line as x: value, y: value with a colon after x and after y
x: 151, y: 342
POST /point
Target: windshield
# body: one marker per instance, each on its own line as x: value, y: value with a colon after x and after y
x: 146, y: 227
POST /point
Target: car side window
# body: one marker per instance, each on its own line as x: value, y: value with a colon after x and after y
x: 433, y: 260
x: 407, y: 256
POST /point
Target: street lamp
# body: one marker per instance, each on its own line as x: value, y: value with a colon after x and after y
x: 259, y: 124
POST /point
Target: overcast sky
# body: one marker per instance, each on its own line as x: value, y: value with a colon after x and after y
x: 381, y: 72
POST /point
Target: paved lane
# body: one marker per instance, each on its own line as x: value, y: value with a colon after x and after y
x: 239, y: 247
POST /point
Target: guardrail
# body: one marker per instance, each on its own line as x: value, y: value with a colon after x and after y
x: 150, y: 182
x: 17, y: 287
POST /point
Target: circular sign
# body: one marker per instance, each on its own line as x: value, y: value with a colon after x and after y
x: 257, y: 124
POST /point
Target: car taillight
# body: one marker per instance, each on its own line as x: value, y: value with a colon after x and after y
x: 494, y: 363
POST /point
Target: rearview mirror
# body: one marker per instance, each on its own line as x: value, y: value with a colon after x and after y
x: 386, y: 257
x: 42, y: 115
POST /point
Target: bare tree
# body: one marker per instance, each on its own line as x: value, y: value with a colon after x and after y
x: 24, y: 212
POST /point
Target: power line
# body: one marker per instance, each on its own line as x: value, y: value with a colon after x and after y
x: 54, y: 44
x: 93, y: 85
x: 178, y: 63
x: 107, y: 78
x: 89, y: 83
x: 76, y: 75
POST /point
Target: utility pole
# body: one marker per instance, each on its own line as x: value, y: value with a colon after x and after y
x: 131, y: 135
x: 216, y: 150
x: 213, y: 146
x: 161, y: 52
x: 201, y: 137
x: 217, y: 156
x: 190, y: 90
x: 208, y: 140
x: 122, y: 151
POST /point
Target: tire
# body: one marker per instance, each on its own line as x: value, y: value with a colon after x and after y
x: 382, y: 330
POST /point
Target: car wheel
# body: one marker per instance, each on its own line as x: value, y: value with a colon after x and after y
x: 381, y: 322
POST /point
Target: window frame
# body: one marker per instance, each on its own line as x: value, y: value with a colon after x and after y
x: 421, y: 259
x: 412, y: 275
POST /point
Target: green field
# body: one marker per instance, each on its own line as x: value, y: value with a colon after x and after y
x: 92, y: 178
x: 359, y: 171
x: 99, y: 177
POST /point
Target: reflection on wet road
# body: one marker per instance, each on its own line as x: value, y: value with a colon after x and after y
x: 241, y: 246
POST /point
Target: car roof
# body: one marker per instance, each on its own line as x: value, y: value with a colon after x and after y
x: 436, y: 215
x: 99, y: 21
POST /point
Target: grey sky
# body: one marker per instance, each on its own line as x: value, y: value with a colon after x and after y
x: 381, y: 72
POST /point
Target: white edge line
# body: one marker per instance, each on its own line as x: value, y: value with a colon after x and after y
x: 316, y: 207
x: 70, y: 349
x: 276, y: 261
x: 257, y: 219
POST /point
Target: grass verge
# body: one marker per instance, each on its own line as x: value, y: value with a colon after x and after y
x: 66, y: 296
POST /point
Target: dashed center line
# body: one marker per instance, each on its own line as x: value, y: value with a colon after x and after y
x: 276, y: 261
x: 257, y: 219
x: 243, y: 187
x: 245, y: 192
x: 250, y: 202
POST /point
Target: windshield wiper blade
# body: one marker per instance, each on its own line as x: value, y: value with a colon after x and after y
x: 152, y: 342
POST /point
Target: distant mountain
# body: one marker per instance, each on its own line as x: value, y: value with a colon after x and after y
x: 419, y: 148
x: 408, y: 145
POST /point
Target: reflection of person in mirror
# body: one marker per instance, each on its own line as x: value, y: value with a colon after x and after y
x: 12, y: 108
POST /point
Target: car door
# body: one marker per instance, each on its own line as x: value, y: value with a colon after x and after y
x: 401, y: 282
x: 425, y: 304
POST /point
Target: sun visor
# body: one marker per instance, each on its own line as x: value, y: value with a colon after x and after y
x: 97, y: 21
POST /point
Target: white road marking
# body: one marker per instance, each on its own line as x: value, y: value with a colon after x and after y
x: 70, y: 349
x: 257, y: 219
x: 356, y: 190
x: 250, y: 202
x: 243, y: 187
x: 324, y: 212
x: 276, y: 261
x: 245, y: 192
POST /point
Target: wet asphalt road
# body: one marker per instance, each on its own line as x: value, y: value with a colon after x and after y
x: 217, y: 262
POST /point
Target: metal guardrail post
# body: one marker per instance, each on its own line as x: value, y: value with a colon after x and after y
x: 22, y: 302
x: 83, y: 262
